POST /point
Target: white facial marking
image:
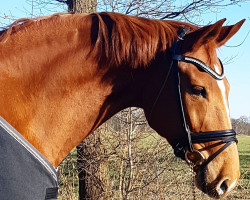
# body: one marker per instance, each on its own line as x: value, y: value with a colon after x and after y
x: 232, y: 186
x: 222, y: 87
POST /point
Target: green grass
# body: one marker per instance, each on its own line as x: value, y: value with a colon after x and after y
x: 243, y: 188
x: 244, y: 151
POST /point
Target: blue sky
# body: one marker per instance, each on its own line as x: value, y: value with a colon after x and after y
x: 237, y: 71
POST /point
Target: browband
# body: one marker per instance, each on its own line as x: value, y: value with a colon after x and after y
x: 199, y: 64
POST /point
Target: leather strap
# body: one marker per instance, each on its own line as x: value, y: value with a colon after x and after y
x: 224, y: 136
x: 200, y: 65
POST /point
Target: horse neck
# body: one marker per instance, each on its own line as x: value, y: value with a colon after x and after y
x: 55, y: 101
x: 56, y: 93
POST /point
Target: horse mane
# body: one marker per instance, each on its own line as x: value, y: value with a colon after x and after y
x: 120, y: 39
x: 116, y: 39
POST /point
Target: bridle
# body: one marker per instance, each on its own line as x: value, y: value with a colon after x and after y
x: 184, y: 146
x: 225, y: 136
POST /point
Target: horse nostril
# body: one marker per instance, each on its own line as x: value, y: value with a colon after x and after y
x: 222, y: 188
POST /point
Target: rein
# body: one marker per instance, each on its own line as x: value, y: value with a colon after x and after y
x: 183, y: 148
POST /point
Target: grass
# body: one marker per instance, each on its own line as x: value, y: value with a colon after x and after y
x: 243, y: 187
x: 244, y: 151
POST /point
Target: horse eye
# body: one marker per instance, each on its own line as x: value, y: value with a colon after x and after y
x: 199, y: 91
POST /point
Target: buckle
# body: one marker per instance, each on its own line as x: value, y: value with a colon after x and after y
x: 194, y: 158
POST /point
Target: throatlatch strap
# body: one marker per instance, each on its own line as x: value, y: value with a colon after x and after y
x: 51, y: 193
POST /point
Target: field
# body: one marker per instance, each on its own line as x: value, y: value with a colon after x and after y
x: 244, y: 152
x: 161, y: 176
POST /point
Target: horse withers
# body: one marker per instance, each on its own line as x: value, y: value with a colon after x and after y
x: 65, y: 75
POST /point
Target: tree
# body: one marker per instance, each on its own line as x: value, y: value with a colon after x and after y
x: 80, y: 6
x: 190, y: 10
x: 241, y: 125
x: 84, y: 152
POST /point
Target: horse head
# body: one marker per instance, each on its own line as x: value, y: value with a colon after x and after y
x: 193, y: 97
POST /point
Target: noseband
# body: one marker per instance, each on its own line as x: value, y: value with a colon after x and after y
x: 184, y: 146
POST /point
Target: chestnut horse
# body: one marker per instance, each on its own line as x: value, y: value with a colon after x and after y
x: 63, y: 76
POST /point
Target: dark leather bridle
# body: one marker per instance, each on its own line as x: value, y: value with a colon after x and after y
x: 184, y: 145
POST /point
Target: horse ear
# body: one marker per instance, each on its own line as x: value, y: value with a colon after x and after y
x: 203, y: 35
x: 227, y: 32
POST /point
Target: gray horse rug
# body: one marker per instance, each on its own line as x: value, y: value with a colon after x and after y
x: 25, y: 174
